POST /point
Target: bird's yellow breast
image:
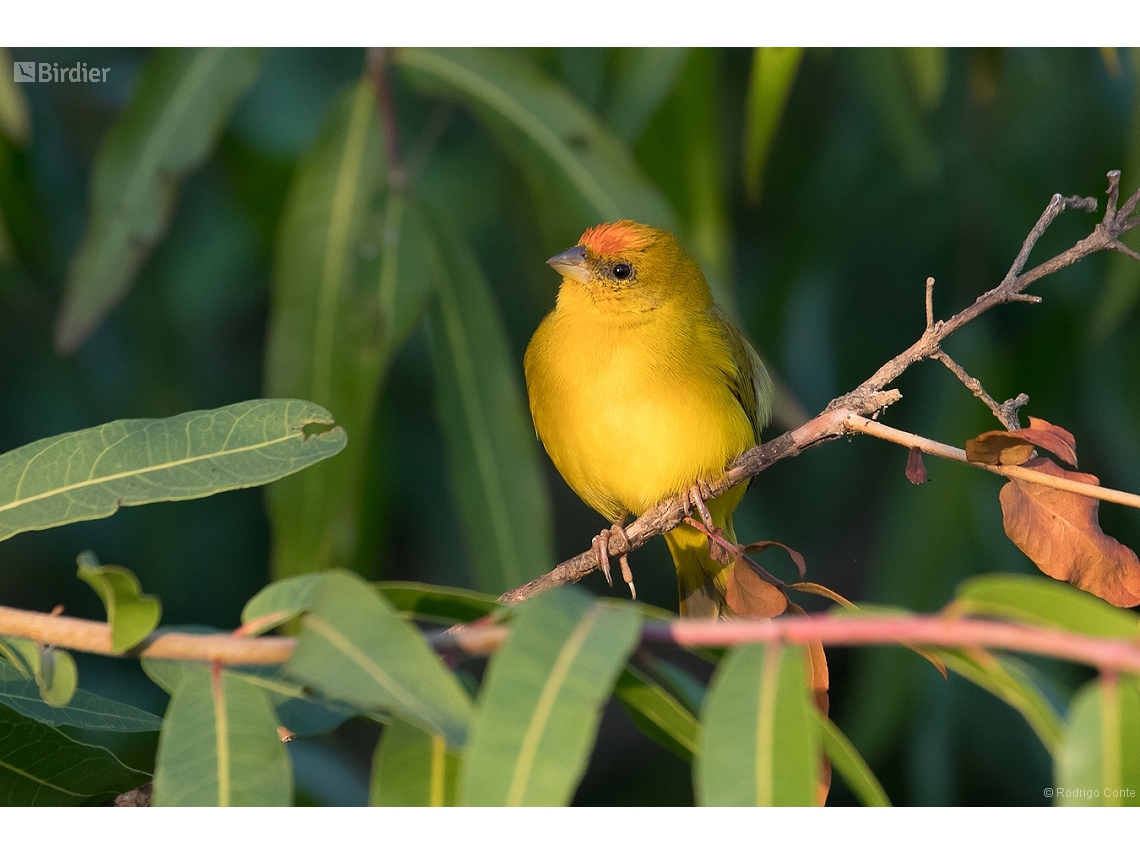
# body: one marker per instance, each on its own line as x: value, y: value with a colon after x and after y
x: 634, y: 409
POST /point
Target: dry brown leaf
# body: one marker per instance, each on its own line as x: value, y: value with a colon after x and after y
x: 1012, y: 448
x: 915, y: 468
x: 1059, y: 531
x: 1051, y: 438
x: 999, y: 448
x: 819, y: 686
x: 750, y: 596
x: 760, y: 545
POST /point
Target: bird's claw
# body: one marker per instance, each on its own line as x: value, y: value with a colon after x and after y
x: 694, y: 500
x: 601, y: 545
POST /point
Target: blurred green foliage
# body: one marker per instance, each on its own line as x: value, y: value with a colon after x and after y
x: 883, y: 167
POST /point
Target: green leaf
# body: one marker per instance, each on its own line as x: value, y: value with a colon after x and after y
x: 219, y: 744
x: 773, y: 73
x: 644, y: 78
x: 53, y: 670
x: 279, y: 602
x: 412, y: 768
x: 85, y: 711
x: 928, y: 68
x: 847, y: 762
x: 657, y: 713
x: 493, y: 452
x: 541, y: 700
x: 901, y: 122
x: 15, y: 121
x: 684, y: 153
x: 40, y: 766
x: 759, y: 743
x: 1043, y: 602
x: 57, y: 677
x: 354, y: 647
x: 578, y: 173
x: 437, y: 602
x: 90, y: 474
x: 348, y: 283
x: 1013, y: 681
x: 1099, y: 759
x: 296, y: 710
x: 169, y: 127
x: 131, y: 614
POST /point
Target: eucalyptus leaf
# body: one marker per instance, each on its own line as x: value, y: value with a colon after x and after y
x: 850, y: 766
x: 492, y: 449
x: 279, y: 602
x: 348, y: 284
x: 131, y: 614
x: 40, y: 766
x: 773, y: 73
x: 437, y: 602
x: 1043, y: 602
x: 52, y: 670
x: 1099, y: 759
x: 578, y: 173
x: 644, y: 77
x: 179, y: 107
x: 219, y: 745
x: 759, y: 741
x: 412, y: 768
x: 355, y: 648
x: 542, y: 697
x: 85, y: 711
x: 657, y: 713
x: 90, y: 474
x: 1013, y: 681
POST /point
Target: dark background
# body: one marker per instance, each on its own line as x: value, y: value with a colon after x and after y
x: 888, y: 166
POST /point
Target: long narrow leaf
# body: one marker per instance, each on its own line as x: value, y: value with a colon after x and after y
x: 1010, y: 680
x: 90, y: 474
x: 578, y: 173
x: 1099, y: 759
x: 86, y: 711
x: 658, y: 714
x: 644, y: 78
x: 169, y: 127
x: 495, y: 469
x: 347, y: 285
x: 40, y: 766
x: 354, y: 647
x: 773, y: 73
x: 542, y: 697
x: 219, y: 745
x: 412, y: 768
x: 759, y: 743
x: 850, y: 766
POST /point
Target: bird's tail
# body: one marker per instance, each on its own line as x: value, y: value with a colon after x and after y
x: 701, y: 582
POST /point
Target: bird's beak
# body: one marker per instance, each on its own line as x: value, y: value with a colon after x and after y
x: 572, y: 264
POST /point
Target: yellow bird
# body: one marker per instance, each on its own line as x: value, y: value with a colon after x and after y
x: 641, y: 389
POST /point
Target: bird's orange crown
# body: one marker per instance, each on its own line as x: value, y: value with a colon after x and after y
x: 611, y: 238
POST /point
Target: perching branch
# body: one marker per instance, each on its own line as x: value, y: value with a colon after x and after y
x: 873, y: 396
x: 834, y: 630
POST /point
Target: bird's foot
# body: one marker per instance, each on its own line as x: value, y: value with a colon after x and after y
x: 718, y: 549
x: 601, y: 545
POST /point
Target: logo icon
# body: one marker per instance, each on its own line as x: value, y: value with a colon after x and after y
x: 24, y: 72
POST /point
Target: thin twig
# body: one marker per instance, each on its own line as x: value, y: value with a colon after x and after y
x: 854, y: 630
x: 841, y: 630
x: 1005, y: 413
x: 858, y: 424
x: 871, y: 396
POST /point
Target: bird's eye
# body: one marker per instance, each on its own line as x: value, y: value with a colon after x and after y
x: 622, y: 271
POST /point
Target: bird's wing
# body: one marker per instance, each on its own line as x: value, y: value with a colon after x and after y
x: 749, y: 382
